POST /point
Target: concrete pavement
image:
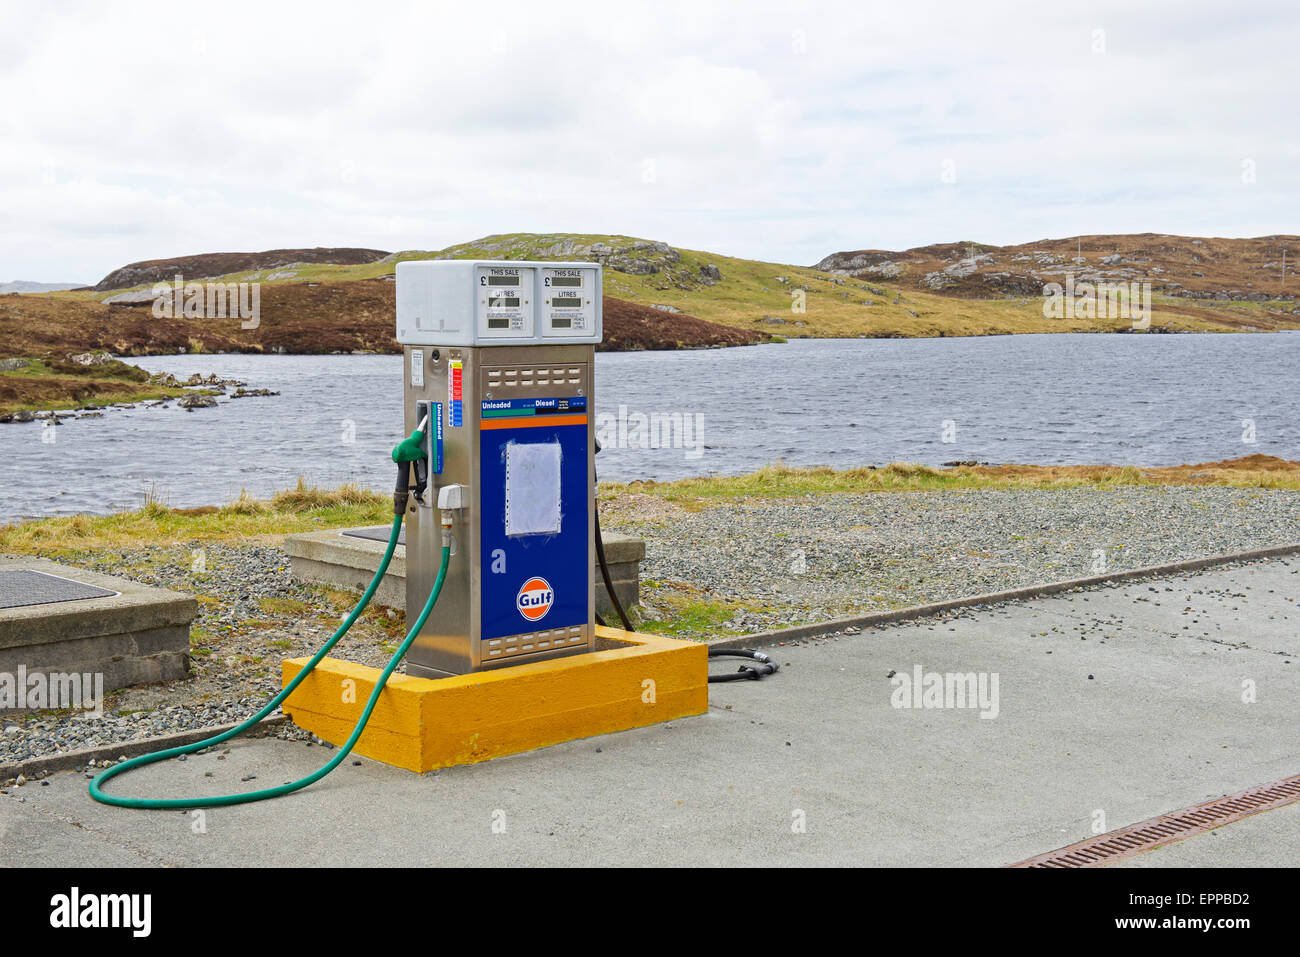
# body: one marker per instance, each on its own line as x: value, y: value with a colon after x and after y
x: 1115, y: 704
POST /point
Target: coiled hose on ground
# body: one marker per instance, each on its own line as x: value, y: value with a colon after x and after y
x: 223, y: 800
x: 402, y: 457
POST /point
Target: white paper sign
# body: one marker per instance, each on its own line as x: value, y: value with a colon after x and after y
x: 533, y: 488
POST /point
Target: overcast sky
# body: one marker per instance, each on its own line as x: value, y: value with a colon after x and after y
x: 776, y: 131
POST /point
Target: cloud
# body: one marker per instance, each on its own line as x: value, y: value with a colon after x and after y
x: 781, y: 131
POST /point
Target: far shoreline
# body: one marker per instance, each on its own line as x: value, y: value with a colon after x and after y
x: 773, y: 481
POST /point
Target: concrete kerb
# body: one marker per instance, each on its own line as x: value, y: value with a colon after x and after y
x: 111, y: 752
x: 779, y: 636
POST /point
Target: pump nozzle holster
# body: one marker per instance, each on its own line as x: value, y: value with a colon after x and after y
x: 410, y: 451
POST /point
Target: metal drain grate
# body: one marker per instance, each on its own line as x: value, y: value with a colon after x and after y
x: 1168, y: 828
x: 376, y: 533
x: 21, y: 587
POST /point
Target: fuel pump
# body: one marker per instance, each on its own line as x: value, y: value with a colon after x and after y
x: 499, y: 359
x: 496, y: 487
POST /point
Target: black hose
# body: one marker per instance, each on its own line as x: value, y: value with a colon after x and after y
x: 604, y: 573
x: 402, y: 490
x: 600, y: 552
x: 766, y: 666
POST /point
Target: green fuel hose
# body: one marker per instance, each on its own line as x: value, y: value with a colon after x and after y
x: 224, y: 800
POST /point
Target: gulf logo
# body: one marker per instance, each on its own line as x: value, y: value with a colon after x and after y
x: 535, y: 599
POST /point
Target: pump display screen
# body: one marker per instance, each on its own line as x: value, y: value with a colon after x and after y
x: 502, y: 323
x: 500, y: 300
x: 566, y: 280
x: 503, y: 280
x: 567, y: 303
x: 561, y: 322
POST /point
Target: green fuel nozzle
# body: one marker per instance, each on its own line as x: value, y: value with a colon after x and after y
x: 410, y: 450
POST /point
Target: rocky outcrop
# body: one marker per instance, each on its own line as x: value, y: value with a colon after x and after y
x: 1243, y: 270
x: 90, y: 358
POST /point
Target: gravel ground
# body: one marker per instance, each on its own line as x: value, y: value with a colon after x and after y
x: 252, y: 615
x: 794, y: 561
x: 755, y: 565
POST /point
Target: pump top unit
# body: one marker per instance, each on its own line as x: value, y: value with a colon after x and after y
x: 499, y: 356
x: 466, y: 302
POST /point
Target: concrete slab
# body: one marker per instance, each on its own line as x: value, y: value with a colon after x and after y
x: 131, y: 633
x: 23, y: 587
x: 334, y: 558
x: 342, y: 559
x: 815, y: 765
x: 30, y: 836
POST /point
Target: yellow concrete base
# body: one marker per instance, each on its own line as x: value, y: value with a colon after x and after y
x: 425, y: 723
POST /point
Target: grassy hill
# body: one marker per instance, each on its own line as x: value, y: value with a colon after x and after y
x: 208, y: 265
x: 838, y: 299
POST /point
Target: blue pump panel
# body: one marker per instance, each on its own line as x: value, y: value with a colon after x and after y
x: 535, y: 539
